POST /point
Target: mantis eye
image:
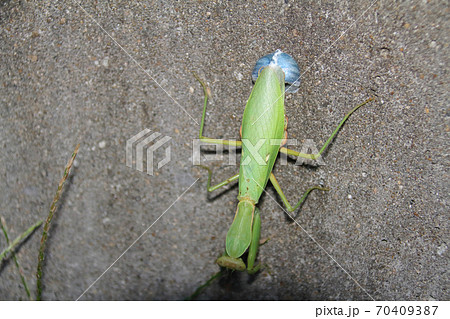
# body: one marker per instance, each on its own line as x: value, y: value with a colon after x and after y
x: 286, y: 63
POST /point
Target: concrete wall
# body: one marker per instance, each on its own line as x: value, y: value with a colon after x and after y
x: 99, y: 74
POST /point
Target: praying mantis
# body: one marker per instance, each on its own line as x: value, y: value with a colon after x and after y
x: 263, y: 135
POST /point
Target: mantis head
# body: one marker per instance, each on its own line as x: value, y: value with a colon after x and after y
x: 231, y: 263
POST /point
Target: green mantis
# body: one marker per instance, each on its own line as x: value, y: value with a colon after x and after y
x: 263, y: 136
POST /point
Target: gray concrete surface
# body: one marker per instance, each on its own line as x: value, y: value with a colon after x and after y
x: 92, y: 75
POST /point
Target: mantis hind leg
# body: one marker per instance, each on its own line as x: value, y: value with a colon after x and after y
x: 289, y: 208
x: 315, y: 156
x: 207, y: 139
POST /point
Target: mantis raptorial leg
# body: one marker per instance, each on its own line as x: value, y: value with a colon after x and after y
x: 254, y: 246
x: 238, y: 264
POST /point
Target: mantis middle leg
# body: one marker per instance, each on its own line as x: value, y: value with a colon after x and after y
x: 213, y: 141
x: 207, y: 139
x: 254, y: 245
x: 315, y: 156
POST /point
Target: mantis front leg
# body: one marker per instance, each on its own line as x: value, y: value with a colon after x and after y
x: 237, y: 263
x: 254, y: 245
x: 315, y: 156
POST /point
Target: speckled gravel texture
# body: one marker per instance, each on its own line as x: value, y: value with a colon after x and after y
x: 99, y: 73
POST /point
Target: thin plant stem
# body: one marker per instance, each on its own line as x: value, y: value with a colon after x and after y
x: 49, y: 220
x: 17, y: 241
x: 16, y: 261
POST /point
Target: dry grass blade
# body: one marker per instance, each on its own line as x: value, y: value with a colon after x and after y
x: 48, y: 222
